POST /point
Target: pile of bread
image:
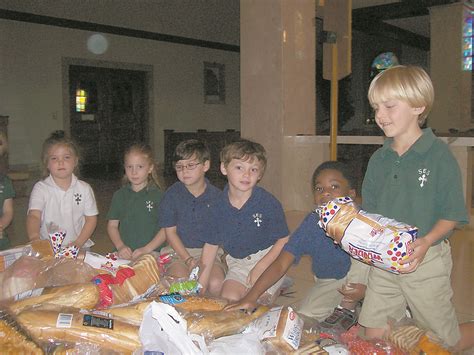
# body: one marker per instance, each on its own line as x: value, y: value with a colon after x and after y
x: 43, y: 312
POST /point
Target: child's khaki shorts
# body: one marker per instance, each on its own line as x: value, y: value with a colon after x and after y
x: 324, y: 296
x: 427, y: 291
x: 239, y: 269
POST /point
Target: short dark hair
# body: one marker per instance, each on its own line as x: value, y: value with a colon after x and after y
x: 334, y: 165
x: 186, y: 149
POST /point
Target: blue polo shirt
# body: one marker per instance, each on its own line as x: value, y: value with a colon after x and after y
x: 256, y: 226
x: 191, y: 215
x: 329, y: 260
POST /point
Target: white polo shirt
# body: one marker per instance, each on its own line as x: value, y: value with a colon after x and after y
x: 66, y: 209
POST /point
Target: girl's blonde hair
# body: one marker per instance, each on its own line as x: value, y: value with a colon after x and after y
x: 145, y: 150
x: 58, y: 138
x: 410, y: 84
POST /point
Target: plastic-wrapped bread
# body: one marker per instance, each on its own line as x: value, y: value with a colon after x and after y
x: 132, y: 312
x: 371, y: 238
x: 76, y: 326
x: 193, y: 303
x: 216, y: 324
x: 13, y: 338
x: 83, y: 295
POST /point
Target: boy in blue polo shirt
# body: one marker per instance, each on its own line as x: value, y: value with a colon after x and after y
x: 250, y: 222
x: 330, y: 264
x: 185, y: 212
x: 413, y: 178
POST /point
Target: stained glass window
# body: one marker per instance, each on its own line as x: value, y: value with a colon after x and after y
x: 81, y: 100
x: 467, y: 38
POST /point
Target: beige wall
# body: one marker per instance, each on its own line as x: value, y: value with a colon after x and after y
x: 31, y: 76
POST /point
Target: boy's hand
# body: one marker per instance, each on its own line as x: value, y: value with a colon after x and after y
x: 242, y: 305
x: 418, y: 248
x: 138, y: 252
x: 125, y: 252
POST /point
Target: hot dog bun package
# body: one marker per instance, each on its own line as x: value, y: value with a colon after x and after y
x: 371, y: 238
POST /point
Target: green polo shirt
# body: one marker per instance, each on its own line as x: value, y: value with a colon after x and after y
x: 419, y: 188
x: 137, y: 213
x: 6, y: 192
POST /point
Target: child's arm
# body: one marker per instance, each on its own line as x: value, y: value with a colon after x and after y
x: 208, y: 256
x: 7, y: 216
x: 421, y: 245
x: 265, y: 262
x: 86, y: 232
x: 33, y: 224
x: 123, y: 250
x: 272, y: 274
x: 157, y: 240
x: 175, y: 242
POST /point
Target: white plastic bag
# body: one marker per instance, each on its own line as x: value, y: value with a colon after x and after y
x: 237, y: 344
x: 164, y: 330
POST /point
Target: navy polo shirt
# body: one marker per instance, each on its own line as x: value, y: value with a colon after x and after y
x: 329, y: 260
x: 190, y: 214
x: 256, y: 226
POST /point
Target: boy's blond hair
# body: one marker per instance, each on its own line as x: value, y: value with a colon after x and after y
x: 244, y: 150
x: 406, y: 83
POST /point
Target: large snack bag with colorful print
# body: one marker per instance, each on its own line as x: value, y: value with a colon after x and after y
x: 368, y: 237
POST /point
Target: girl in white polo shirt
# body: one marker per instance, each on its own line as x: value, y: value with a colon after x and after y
x: 62, y: 201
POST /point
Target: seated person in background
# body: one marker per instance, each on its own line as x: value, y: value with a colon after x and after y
x: 61, y: 200
x: 333, y: 268
x: 185, y: 211
x: 250, y: 223
x: 133, y: 214
x: 7, y: 194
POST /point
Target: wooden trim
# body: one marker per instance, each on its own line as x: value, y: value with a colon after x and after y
x: 115, y: 30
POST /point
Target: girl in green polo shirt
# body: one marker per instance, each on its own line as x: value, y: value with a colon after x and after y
x: 133, y: 214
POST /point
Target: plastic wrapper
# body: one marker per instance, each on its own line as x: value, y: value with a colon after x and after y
x: 70, y: 325
x: 40, y: 249
x: 357, y: 345
x: 216, y: 324
x: 109, y: 263
x: 14, y: 339
x: 85, y: 295
x: 193, y: 303
x: 133, y: 311
x: 65, y: 271
x: 370, y: 238
x: 131, y: 282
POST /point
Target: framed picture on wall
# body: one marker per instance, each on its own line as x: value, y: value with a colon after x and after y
x: 214, y: 83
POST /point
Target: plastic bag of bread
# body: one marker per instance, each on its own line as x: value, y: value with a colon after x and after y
x: 40, y: 249
x: 368, y: 237
x: 65, y: 271
x: 193, y: 303
x: 216, y: 324
x: 21, y: 276
x: 134, y: 281
x: 84, y: 295
x: 14, y: 339
x: 280, y: 326
x: 72, y: 325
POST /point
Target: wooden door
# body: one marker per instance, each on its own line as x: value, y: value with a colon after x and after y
x: 109, y: 109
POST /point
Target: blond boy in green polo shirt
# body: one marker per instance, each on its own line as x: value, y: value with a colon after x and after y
x: 413, y: 178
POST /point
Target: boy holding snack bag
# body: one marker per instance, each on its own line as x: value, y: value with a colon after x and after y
x: 413, y: 178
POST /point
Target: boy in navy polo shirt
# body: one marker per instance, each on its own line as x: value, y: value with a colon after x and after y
x: 330, y: 264
x: 250, y: 223
x: 185, y: 211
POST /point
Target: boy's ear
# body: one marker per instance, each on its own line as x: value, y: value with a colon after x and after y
x: 206, y: 165
x: 419, y: 110
x: 223, y: 169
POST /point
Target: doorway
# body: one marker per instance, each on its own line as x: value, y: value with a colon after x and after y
x: 108, y: 110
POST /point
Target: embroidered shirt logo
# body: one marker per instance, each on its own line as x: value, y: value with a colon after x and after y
x: 423, y: 176
x: 149, y: 205
x: 257, y: 219
x: 77, y: 198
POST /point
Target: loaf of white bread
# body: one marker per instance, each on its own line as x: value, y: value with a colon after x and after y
x: 13, y: 339
x: 146, y: 276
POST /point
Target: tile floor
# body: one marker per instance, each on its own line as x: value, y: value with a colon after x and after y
x: 462, y: 249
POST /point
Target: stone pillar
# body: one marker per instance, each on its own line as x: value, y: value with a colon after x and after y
x: 452, y: 107
x: 277, y: 55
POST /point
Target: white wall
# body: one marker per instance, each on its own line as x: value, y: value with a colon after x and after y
x: 31, y: 77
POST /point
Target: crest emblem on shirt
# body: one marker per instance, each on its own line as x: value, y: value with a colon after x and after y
x: 77, y: 198
x: 257, y: 219
x: 423, y: 176
x: 1, y: 188
x: 149, y: 205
